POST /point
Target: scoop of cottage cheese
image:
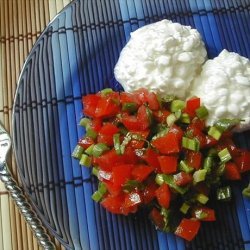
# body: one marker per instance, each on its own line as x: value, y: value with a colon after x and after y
x: 163, y: 57
x: 224, y: 88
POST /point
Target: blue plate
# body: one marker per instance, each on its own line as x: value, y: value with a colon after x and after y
x: 74, y: 56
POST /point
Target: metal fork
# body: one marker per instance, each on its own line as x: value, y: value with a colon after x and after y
x: 18, y: 196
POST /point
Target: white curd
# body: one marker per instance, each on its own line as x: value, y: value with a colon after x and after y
x: 224, y: 88
x: 163, y: 57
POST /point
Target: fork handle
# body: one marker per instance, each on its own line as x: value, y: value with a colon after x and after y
x: 25, y: 209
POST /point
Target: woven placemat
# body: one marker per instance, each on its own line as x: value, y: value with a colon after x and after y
x: 21, y: 23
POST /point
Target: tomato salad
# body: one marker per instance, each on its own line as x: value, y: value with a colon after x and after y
x: 157, y: 153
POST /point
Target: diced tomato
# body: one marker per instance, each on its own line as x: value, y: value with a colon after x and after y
x: 198, y: 123
x: 191, y: 105
x: 149, y: 192
x: 107, y: 106
x: 96, y: 124
x: 121, y: 173
x: 231, y: 171
x: 188, y: 229
x: 85, y: 142
x: 177, y: 131
x: 167, y: 144
x: 143, y: 117
x: 89, y: 104
x: 113, y: 203
x: 182, y: 179
x: 161, y: 115
x: 108, y: 129
x: 141, y: 172
x: 163, y: 195
x: 128, y: 98
x: 137, y: 144
x: 131, y: 122
x: 151, y: 157
x: 168, y: 164
x: 194, y: 159
x: 229, y: 144
x: 243, y: 161
x: 152, y: 101
x: 129, y: 156
x: 210, y: 141
x: 131, y: 202
x: 107, y: 139
x: 204, y: 213
x: 141, y: 95
x: 157, y: 218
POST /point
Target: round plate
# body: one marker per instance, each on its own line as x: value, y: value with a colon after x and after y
x: 75, y: 56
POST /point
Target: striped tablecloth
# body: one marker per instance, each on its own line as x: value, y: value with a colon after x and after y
x: 21, y: 22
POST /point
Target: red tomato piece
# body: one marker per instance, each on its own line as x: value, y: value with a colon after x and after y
x: 128, y: 98
x: 107, y: 139
x: 141, y: 172
x: 161, y: 115
x: 167, y: 144
x: 113, y: 203
x: 191, y: 105
x: 96, y: 124
x: 194, y: 159
x: 188, y: 229
x: 152, y: 101
x: 204, y: 214
x: 121, y: 173
x: 243, y: 161
x: 151, y: 157
x: 131, y: 122
x: 210, y: 141
x: 85, y: 142
x: 108, y: 129
x: 168, y: 164
x: 229, y: 144
x: 137, y: 144
x: 107, y: 106
x: 232, y: 172
x: 89, y: 104
x: 157, y: 218
x: 131, y: 202
x: 182, y: 179
x: 163, y: 195
x: 177, y: 131
x: 143, y: 117
x: 141, y: 95
x: 149, y: 192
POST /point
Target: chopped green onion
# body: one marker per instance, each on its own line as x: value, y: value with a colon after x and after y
x: 246, y: 191
x: 95, y: 171
x: 99, y: 149
x: 117, y: 145
x: 85, y: 122
x: 199, y: 214
x: 203, y: 199
x: 178, y: 114
x: 208, y: 163
x: 106, y: 91
x: 98, y: 195
x: 177, y: 105
x: 91, y: 133
x: 166, y: 217
x: 89, y: 150
x: 161, y: 133
x: 149, y: 115
x: 191, y: 144
x: 226, y: 124
x: 85, y: 160
x: 171, y: 119
x: 220, y: 170
x: 199, y: 175
x: 184, y: 208
x: 129, y: 107
x: 201, y: 112
x: 169, y: 179
x: 224, y: 155
x: 78, y: 151
x: 185, y: 118
x: 214, y: 132
x: 183, y: 166
x: 224, y: 193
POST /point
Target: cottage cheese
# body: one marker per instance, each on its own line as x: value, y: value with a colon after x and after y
x: 224, y: 88
x: 163, y: 57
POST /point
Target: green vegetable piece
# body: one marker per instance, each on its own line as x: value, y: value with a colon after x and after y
x: 199, y: 214
x: 149, y: 115
x: 214, y: 132
x: 171, y: 119
x: 161, y: 133
x: 166, y: 213
x: 129, y: 107
x: 199, y: 175
x: 78, y: 151
x: 184, y: 208
x: 106, y: 91
x: 89, y: 150
x: 99, y: 149
x: 203, y: 199
x: 201, y: 112
x: 226, y: 124
x: 95, y: 171
x: 85, y: 122
x: 117, y: 145
x: 98, y: 195
x: 91, y: 133
x: 208, y: 163
x: 85, y: 160
x: 185, y: 118
x: 169, y: 179
x: 224, y: 155
x: 183, y: 166
x: 220, y: 170
x: 191, y: 144
x: 246, y: 191
x: 177, y: 105
x: 224, y: 193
